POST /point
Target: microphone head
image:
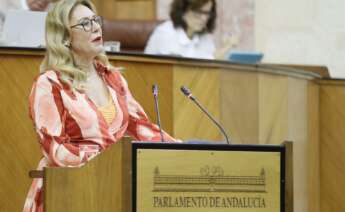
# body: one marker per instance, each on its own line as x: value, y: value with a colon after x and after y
x: 185, y: 91
x: 155, y: 90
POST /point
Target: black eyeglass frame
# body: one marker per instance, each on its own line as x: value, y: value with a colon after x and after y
x: 92, y: 21
x: 201, y: 12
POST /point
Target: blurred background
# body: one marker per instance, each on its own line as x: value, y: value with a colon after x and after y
x: 309, y: 32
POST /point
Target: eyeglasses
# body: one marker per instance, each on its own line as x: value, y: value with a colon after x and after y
x: 87, y: 23
x: 202, y: 12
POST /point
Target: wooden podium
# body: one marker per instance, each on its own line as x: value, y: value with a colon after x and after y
x: 148, y: 177
x: 103, y: 184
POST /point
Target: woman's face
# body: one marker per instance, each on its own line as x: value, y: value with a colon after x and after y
x: 196, y: 20
x: 86, y: 32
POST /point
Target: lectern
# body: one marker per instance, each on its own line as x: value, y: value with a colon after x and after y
x: 149, y: 177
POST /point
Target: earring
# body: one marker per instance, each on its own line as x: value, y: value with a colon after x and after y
x: 67, y: 44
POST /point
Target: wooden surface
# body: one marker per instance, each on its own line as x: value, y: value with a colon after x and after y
x: 289, y: 182
x: 332, y: 146
x: 255, y: 104
x: 140, y: 78
x: 136, y: 10
x: 239, y: 100
x: 191, y: 182
x: 297, y: 120
x: 313, y: 148
x: 322, y: 70
x: 189, y: 121
x: 101, y: 185
x: 268, y: 109
x: 126, y: 9
x: 272, y: 109
x: 19, y: 147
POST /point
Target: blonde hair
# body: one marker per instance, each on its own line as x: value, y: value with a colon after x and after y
x: 58, y: 55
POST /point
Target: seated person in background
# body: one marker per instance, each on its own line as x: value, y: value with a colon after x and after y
x: 36, y: 5
x: 80, y: 104
x: 188, y: 33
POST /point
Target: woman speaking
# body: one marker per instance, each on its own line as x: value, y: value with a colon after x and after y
x: 80, y: 104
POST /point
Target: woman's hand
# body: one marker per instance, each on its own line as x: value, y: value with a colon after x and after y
x: 229, y: 42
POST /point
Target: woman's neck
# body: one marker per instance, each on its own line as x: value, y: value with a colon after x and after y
x: 84, y: 63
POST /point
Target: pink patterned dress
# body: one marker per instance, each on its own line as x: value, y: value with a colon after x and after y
x: 72, y: 130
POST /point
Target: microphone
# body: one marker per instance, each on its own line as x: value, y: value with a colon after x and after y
x: 188, y: 94
x: 155, y: 97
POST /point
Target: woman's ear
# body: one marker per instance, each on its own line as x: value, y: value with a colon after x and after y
x: 67, y: 43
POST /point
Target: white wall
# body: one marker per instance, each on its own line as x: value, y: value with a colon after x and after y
x: 302, y: 32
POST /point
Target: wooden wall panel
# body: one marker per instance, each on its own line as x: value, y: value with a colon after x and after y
x: 287, y: 106
x: 289, y: 181
x: 332, y: 146
x: 136, y: 10
x: 313, y: 153
x: 124, y: 9
x: 239, y: 105
x: 189, y: 121
x: 19, y: 147
x: 297, y: 132
x: 273, y: 108
x: 70, y: 190
x: 141, y: 77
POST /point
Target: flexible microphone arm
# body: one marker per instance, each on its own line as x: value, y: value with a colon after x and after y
x: 188, y: 94
x: 155, y: 97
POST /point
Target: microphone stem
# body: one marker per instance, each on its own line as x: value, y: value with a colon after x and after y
x: 212, y: 119
x: 158, y: 117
